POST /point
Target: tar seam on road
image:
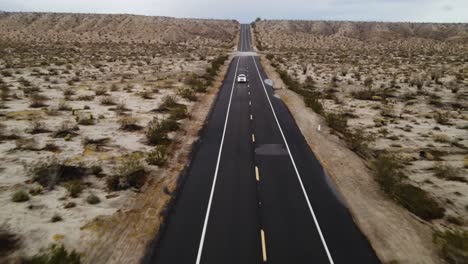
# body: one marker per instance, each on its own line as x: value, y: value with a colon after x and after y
x: 295, y: 168
x: 202, y: 239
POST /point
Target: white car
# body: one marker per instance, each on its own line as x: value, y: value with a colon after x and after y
x: 241, y: 78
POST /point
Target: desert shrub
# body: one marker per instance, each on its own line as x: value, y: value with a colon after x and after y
x: 121, y: 108
x: 453, y: 245
x: 38, y: 127
x: 93, y: 199
x: 68, y: 92
x: 114, y: 87
x: 108, y: 100
x: 158, y: 156
x: 314, y: 104
x: 130, y: 173
x: 20, y: 196
x: 66, y: 129
x: 168, y: 102
x: 368, y: 82
x: 442, y: 138
x: 96, y: 169
x: 388, y: 172
x: 69, y: 205
x: 169, y: 125
x: 389, y: 175
x: 7, y: 73
x: 56, y: 218
x: 337, y: 121
x: 74, y: 188
x: 216, y: 64
x: 419, y: 202
x: 8, y: 242
x: 364, y: 94
x: 86, y: 120
x: 85, y: 97
x: 187, y: 93
x: 96, y: 142
x: 129, y: 123
x: 178, y: 113
x: 36, y: 190
x: 37, y: 100
x: 55, y: 254
x: 455, y: 220
x: 146, y: 94
x: 442, y: 118
x: 270, y: 56
x: 64, y: 106
x: 27, y: 144
x: 50, y: 172
x: 155, y: 133
x: 448, y: 172
x: 358, y: 141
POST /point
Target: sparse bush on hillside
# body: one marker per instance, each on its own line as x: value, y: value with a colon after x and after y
x: 20, y: 196
x: 155, y: 133
x: 130, y: 173
x: 389, y: 175
x: 453, y: 245
x: 55, y: 254
x: 158, y: 156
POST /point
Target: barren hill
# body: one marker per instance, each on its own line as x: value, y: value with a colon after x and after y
x: 95, y: 28
x: 368, y: 31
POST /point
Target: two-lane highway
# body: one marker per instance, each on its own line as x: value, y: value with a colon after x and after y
x: 254, y: 192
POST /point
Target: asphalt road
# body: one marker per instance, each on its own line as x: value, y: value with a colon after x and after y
x: 254, y: 191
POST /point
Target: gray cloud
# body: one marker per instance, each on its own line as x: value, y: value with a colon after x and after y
x: 247, y: 10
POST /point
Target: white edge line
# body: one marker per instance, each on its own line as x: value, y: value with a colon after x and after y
x: 202, y: 239
x: 295, y: 168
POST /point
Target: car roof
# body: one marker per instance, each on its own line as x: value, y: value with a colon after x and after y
x: 241, y: 74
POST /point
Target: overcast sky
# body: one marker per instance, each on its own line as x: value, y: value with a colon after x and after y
x: 248, y: 10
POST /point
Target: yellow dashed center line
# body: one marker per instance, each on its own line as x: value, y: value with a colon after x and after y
x: 257, y: 174
x: 251, y: 117
x: 253, y: 138
x: 264, y: 253
x: 250, y: 103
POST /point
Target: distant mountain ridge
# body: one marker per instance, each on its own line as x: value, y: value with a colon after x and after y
x: 97, y: 28
x: 373, y: 31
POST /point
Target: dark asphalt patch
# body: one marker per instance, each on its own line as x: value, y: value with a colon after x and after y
x: 271, y: 150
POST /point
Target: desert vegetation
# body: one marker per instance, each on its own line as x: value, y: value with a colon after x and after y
x: 397, y: 95
x: 89, y: 110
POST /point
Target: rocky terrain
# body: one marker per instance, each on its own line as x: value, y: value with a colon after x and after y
x: 397, y: 95
x: 92, y: 108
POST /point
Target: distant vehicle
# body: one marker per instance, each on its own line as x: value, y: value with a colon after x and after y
x: 241, y: 78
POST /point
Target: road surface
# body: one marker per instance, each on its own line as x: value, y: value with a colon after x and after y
x: 254, y: 191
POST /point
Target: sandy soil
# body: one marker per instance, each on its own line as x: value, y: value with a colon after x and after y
x: 406, y: 123
x: 89, y: 88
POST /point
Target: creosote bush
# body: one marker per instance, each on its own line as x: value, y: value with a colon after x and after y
x: 389, y: 175
x: 158, y: 156
x: 155, y: 132
x: 55, y: 254
x: 130, y: 173
x: 93, y: 199
x: 454, y: 245
x: 20, y: 196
